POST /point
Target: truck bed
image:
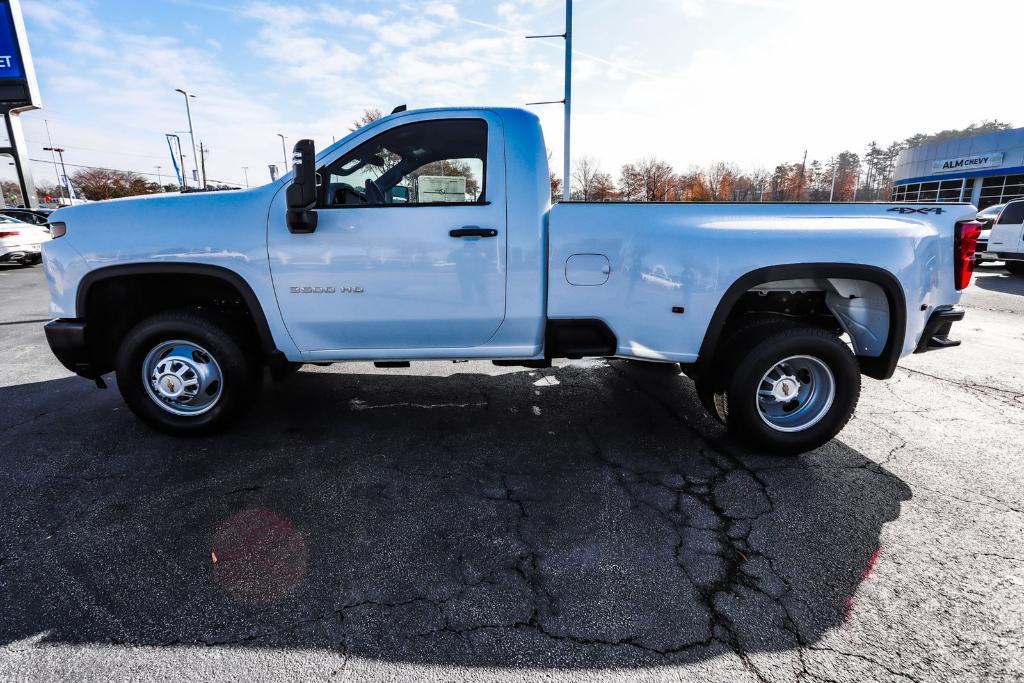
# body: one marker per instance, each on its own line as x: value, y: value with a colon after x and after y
x: 670, y: 265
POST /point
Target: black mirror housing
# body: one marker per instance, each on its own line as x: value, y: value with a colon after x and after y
x: 301, y: 194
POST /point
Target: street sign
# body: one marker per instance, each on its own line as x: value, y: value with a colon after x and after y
x: 18, y: 87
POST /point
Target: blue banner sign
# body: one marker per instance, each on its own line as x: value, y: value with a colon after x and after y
x: 11, y: 67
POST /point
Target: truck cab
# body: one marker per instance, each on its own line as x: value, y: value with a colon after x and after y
x: 398, y: 261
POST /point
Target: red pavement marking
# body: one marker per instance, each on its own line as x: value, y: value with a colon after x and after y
x: 865, y: 575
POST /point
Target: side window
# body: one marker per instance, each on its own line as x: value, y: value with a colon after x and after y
x: 428, y: 163
x: 1013, y: 214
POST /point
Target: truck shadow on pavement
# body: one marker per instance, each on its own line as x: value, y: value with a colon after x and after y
x: 584, y: 517
x: 999, y: 281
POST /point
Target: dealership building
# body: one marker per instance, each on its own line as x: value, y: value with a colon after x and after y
x: 980, y: 169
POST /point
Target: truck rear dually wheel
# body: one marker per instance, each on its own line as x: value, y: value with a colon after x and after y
x: 186, y: 373
x: 791, y: 391
x: 711, y: 386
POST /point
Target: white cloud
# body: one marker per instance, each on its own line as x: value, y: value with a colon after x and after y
x: 690, y: 8
x: 122, y: 88
x: 344, y: 19
x: 407, y: 33
x: 442, y: 10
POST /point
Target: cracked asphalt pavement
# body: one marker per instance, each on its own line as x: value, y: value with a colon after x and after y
x: 465, y: 522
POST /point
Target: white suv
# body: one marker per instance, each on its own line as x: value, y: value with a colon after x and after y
x: 1006, y: 243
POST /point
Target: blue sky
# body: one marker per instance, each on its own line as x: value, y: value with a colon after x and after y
x: 753, y: 82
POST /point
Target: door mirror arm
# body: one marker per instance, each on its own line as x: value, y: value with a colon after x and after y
x: 301, y: 194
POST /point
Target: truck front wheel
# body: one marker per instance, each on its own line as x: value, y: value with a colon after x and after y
x: 792, y: 391
x: 186, y: 373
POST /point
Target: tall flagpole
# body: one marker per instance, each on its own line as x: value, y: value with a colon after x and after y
x: 566, y: 183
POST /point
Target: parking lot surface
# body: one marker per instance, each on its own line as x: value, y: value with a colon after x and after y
x: 464, y: 522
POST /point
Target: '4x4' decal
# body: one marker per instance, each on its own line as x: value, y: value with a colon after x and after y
x: 937, y: 210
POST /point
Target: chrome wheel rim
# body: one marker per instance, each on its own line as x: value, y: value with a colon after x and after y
x: 182, y: 378
x: 795, y: 394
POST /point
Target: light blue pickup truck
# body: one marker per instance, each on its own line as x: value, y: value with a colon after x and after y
x: 430, y: 235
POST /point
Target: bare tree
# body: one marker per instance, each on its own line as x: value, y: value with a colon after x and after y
x: 104, y: 183
x: 12, y: 193
x: 719, y: 178
x: 583, y: 177
x: 603, y: 188
x: 759, y: 179
x: 368, y: 116
x: 556, y: 187
x: 648, y: 180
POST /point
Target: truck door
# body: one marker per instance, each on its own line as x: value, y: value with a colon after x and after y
x: 1007, y: 234
x: 410, y: 250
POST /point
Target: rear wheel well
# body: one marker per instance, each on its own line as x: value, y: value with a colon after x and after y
x: 806, y: 304
x: 863, y: 301
x: 114, y: 305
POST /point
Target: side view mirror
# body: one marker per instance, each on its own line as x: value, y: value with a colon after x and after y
x: 399, y: 194
x: 301, y: 194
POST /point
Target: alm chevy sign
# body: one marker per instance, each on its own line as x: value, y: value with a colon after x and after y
x: 971, y: 163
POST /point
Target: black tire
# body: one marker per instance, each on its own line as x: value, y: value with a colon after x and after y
x: 239, y: 366
x: 743, y: 418
x: 1014, y: 267
x: 711, y: 386
x: 709, y: 399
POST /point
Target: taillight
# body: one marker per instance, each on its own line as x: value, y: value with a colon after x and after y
x: 58, y: 230
x: 9, y: 233
x: 964, y: 245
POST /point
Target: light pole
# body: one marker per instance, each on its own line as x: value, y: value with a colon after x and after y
x: 245, y: 171
x: 60, y: 185
x: 159, y: 178
x: 284, y: 154
x: 832, y: 193
x: 567, y: 161
x: 202, y: 160
x: 63, y: 169
x: 191, y: 133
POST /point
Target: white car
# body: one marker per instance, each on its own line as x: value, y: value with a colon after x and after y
x: 1006, y: 243
x: 21, y: 242
x: 987, y: 218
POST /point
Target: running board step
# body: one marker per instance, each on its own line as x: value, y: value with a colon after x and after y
x: 540, y: 364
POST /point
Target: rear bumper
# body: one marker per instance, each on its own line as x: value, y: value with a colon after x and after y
x: 936, y: 331
x: 1002, y: 256
x: 68, y: 343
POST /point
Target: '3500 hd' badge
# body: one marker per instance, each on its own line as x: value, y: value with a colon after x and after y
x: 326, y: 290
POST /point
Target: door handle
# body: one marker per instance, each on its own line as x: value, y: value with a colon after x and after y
x: 474, y: 231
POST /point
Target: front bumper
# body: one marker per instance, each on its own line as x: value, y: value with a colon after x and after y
x: 68, y: 342
x: 936, y: 331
